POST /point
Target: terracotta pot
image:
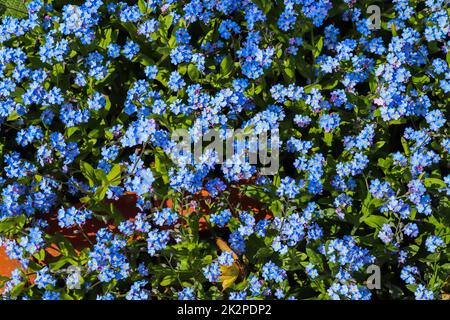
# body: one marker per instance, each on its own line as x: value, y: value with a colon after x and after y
x: 126, y: 204
x: 7, y: 266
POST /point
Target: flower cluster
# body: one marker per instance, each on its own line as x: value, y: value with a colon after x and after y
x: 92, y: 94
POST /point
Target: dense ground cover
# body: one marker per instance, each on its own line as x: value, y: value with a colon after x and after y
x: 91, y: 92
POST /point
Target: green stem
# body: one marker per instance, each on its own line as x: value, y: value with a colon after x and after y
x: 313, y: 65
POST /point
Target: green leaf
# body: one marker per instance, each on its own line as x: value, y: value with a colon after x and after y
x: 276, y: 207
x: 64, y: 245
x: 318, y: 48
x: 168, y: 280
x: 13, y: 116
x: 328, y: 138
x: 405, y: 146
x: 12, y: 225
x: 146, y: 60
x: 375, y: 221
x: 57, y: 265
x: 143, y: 6
x: 161, y: 167
x: 164, y: 25
x: 100, y: 193
x: 114, y: 175
x: 40, y: 255
x: 193, y: 72
x: 14, y: 8
x: 264, y: 5
x: 421, y: 80
x: 430, y: 182
x: 70, y: 131
x: 108, y: 37
x: 263, y: 252
x: 309, y: 87
x: 17, y: 289
x: 226, y: 66
x: 314, y: 258
x: 88, y: 172
x: 100, y: 177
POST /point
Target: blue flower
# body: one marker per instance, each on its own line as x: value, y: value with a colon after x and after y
x: 72, y: 217
x: 114, y: 50
x: 165, y: 217
x: 386, y: 235
x: 186, y: 294
x: 329, y: 122
x: 130, y: 49
x: 221, y: 218
x: 226, y: 258
x: 212, y: 272
x: 176, y: 82
x: 311, y: 271
x: 422, y: 293
x: 151, y: 72
x: 270, y: 271
x: 409, y: 274
x: 137, y: 291
x: 44, y: 279
x: 433, y: 242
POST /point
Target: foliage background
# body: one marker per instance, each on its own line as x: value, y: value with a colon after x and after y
x: 192, y: 255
